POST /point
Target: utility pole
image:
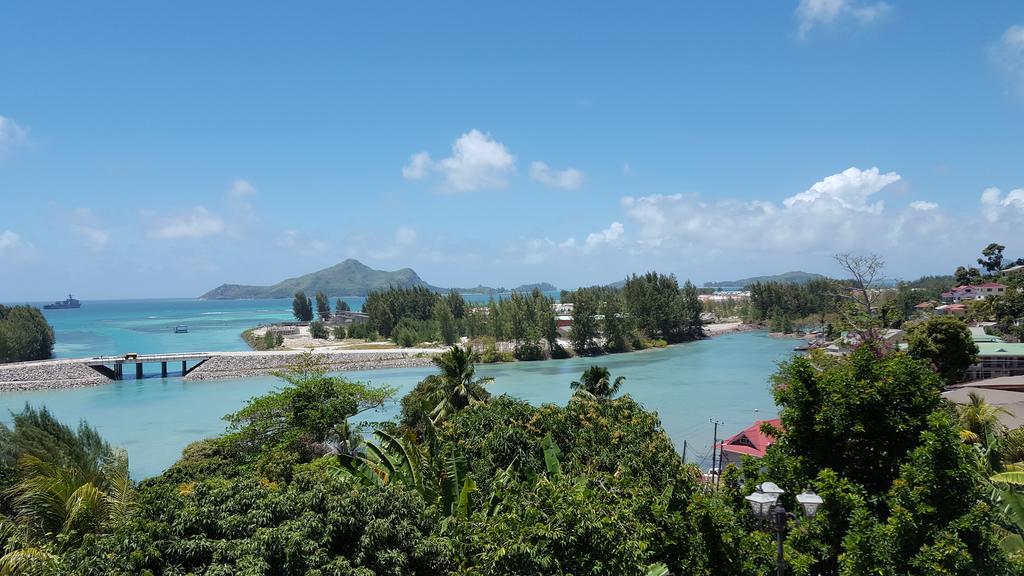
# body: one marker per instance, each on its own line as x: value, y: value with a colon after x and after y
x: 713, y: 444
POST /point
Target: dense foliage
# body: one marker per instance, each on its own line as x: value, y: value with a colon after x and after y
x: 24, y: 334
x: 648, y: 307
x: 413, y: 315
x: 903, y: 493
x: 945, y: 342
x: 469, y: 484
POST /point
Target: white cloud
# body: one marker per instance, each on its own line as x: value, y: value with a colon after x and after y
x: 922, y: 206
x: 848, y: 190
x: 418, y: 166
x: 241, y: 189
x: 405, y: 236
x: 568, y: 179
x: 11, y: 136
x: 12, y: 245
x: 996, y: 207
x: 813, y: 13
x: 198, y: 223
x: 478, y: 162
x: 836, y: 213
x: 84, y: 224
x: 609, y: 236
x: 1008, y: 54
x: 240, y: 209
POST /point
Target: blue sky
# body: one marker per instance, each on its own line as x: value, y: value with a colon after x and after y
x: 160, y: 149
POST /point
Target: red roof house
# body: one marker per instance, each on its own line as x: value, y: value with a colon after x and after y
x: 749, y: 442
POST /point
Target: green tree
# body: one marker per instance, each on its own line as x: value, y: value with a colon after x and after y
x: 967, y: 276
x: 583, y: 329
x: 992, y: 258
x: 596, y: 382
x: 457, y: 386
x: 944, y: 342
x: 616, y: 325
x: 24, y: 334
x: 457, y: 304
x: 341, y: 306
x: 446, y: 322
x: 859, y: 416
x: 902, y: 493
x: 323, y: 306
x: 302, y: 307
x: 305, y: 419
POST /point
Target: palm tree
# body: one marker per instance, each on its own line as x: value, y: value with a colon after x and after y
x: 979, y: 419
x: 596, y: 382
x: 66, y: 484
x: 457, y: 386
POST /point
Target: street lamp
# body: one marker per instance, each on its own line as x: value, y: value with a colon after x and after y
x: 765, y: 504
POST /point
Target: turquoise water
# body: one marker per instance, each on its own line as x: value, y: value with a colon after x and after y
x: 725, y: 378
x: 116, y: 327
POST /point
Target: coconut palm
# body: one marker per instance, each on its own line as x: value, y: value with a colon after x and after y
x: 457, y: 386
x: 596, y: 382
x: 979, y: 419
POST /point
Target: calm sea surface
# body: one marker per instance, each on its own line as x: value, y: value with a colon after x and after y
x: 725, y: 378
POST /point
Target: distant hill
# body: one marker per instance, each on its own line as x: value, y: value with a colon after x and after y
x: 349, y: 278
x: 542, y: 286
x: 788, y: 277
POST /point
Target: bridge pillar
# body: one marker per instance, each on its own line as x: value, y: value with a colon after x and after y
x: 184, y: 367
x: 163, y: 369
x: 138, y: 370
x: 118, y: 371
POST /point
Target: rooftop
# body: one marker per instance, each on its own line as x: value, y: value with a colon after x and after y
x: 751, y: 442
x: 1000, y: 348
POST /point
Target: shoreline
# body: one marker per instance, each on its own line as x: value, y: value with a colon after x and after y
x: 62, y: 373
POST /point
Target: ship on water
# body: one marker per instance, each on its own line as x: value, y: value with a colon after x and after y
x: 62, y: 304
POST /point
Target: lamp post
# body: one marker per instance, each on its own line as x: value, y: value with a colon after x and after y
x: 765, y: 504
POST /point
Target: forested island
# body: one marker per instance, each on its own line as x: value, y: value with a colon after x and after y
x: 351, y: 278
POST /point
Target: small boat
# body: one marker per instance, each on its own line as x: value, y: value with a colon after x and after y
x: 181, y: 329
x: 63, y: 304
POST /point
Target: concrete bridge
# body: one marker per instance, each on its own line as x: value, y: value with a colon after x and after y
x: 113, y: 366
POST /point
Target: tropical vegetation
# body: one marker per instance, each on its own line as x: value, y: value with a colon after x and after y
x: 24, y: 334
x: 468, y: 483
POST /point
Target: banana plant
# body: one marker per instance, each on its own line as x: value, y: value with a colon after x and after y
x: 388, y: 460
x: 1011, y: 502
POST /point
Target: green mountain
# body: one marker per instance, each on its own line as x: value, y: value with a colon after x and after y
x: 788, y: 277
x: 349, y: 278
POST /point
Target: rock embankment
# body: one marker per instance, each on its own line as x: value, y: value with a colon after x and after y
x: 47, y: 375
x: 257, y: 364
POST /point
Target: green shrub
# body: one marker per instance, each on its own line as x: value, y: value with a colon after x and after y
x: 272, y: 340
x: 558, y: 352
x: 405, y: 337
x: 529, y: 351
x: 339, y: 333
x: 364, y: 331
x: 318, y: 330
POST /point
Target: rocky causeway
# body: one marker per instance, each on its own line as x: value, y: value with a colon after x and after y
x: 74, y: 373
